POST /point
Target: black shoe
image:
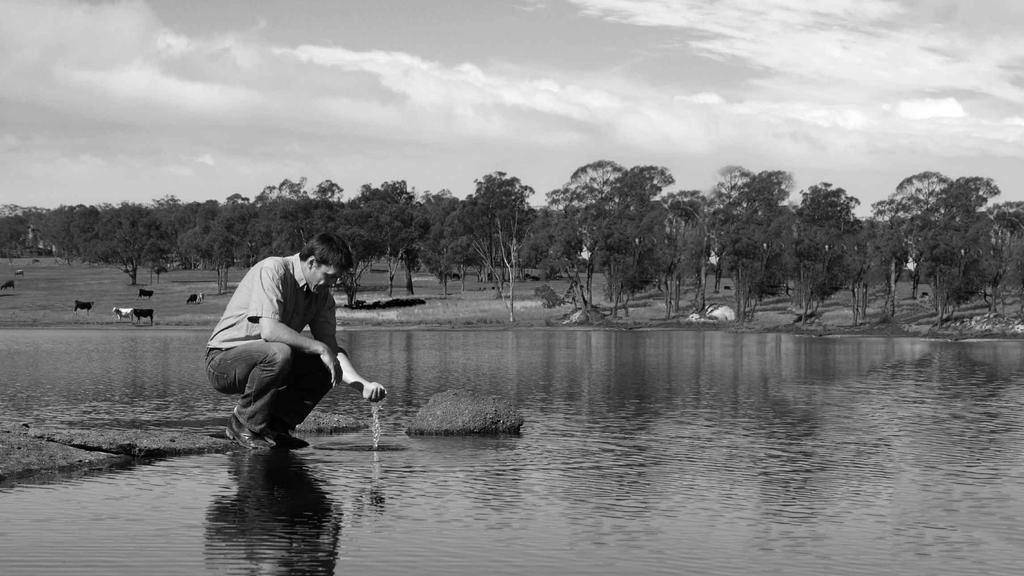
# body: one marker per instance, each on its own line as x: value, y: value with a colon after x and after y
x: 245, y: 437
x: 284, y: 439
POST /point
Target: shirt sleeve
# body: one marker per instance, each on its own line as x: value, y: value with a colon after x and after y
x: 324, y: 322
x: 267, y: 297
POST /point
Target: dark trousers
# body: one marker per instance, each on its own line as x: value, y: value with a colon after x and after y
x: 279, y: 386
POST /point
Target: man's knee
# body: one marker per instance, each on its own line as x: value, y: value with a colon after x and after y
x: 278, y: 356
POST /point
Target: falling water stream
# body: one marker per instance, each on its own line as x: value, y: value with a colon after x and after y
x: 375, y: 425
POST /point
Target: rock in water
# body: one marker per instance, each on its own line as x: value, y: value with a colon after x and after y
x: 462, y: 412
x: 327, y: 423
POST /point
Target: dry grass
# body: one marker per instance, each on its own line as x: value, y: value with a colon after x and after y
x: 46, y: 293
x: 44, y: 296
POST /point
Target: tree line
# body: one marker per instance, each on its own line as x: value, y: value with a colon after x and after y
x: 622, y: 224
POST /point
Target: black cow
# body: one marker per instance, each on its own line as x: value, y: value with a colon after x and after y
x: 141, y: 313
x: 143, y: 293
x: 8, y: 284
x: 79, y: 305
x: 195, y: 298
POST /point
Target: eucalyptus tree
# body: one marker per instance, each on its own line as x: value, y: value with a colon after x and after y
x: 211, y: 240
x: 686, y: 246
x: 913, y: 197
x: 365, y: 246
x: 249, y: 244
x: 630, y: 230
x: 1006, y: 254
x: 194, y: 220
x: 126, y: 231
x: 954, y: 232
x: 867, y: 259
x: 824, y: 234
x: 14, y: 232
x: 440, y: 246
x: 394, y: 220
x: 892, y: 220
x: 583, y: 200
x: 753, y: 227
x: 496, y: 219
x: 174, y: 218
x: 290, y: 214
x: 71, y: 230
x: 233, y: 240
x: 553, y: 247
x: 731, y: 180
x: 167, y: 214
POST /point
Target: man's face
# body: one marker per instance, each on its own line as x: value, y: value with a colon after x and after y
x: 321, y: 274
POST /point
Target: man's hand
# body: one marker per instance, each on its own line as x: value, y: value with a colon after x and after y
x: 372, y: 391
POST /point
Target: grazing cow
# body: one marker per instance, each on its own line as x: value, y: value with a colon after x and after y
x: 8, y: 284
x: 143, y: 293
x: 79, y: 305
x: 123, y: 313
x: 193, y: 299
x: 19, y: 272
x: 140, y: 313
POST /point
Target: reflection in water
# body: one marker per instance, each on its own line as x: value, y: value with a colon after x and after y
x: 643, y: 453
x: 280, y: 520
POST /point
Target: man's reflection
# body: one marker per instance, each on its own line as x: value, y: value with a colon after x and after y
x: 281, y: 520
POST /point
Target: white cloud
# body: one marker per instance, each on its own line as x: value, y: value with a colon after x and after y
x: 205, y: 159
x: 929, y: 108
x: 853, y: 49
x: 172, y: 44
x: 702, y: 98
x: 803, y: 84
x: 139, y: 82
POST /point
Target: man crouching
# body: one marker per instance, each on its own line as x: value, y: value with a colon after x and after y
x: 258, y: 349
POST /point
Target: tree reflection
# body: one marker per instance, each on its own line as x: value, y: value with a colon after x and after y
x: 280, y: 520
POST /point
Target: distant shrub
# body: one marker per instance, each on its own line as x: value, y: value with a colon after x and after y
x: 392, y: 303
x: 548, y: 297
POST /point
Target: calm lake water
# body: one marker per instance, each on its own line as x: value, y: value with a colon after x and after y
x: 655, y: 452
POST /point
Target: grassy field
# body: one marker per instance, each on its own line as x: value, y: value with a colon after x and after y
x: 45, y: 294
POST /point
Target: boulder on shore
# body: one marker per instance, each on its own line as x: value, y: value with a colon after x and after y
x: 327, y: 423
x: 463, y: 412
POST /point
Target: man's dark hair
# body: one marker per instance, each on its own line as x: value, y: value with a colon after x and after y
x: 329, y: 249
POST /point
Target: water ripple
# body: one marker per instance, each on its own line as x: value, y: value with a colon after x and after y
x: 642, y: 453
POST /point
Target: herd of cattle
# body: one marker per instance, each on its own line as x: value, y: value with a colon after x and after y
x: 10, y: 283
x: 136, y: 315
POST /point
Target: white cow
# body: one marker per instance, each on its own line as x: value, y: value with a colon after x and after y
x: 123, y: 313
x: 714, y: 313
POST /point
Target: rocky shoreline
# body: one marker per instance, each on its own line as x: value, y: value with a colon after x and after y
x: 44, y: 454
x: 33, y: 454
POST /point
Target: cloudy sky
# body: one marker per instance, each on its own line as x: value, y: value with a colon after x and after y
x: 135, y: 100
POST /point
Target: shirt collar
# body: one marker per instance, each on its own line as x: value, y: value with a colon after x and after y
x: 300, y: 277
